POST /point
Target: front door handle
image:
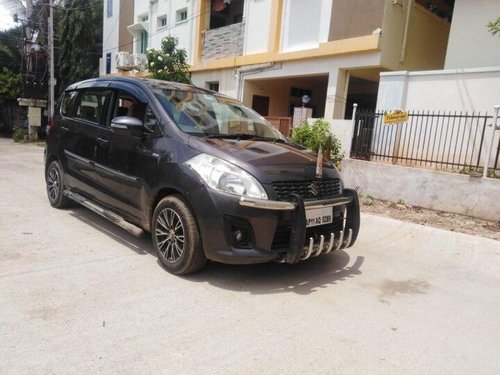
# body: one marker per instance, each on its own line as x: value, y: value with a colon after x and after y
x: 64, y: 129
x: 102, y: 141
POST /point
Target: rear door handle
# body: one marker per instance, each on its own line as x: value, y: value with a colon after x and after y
x: 102, y: 141
x: 64, y: 129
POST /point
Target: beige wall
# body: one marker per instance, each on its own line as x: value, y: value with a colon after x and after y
x: 125, y: 40
x: 425, y: 188
x: 350, y: 18
x: 471, y: 45
x: 427, y: 41
x: 423, y: 47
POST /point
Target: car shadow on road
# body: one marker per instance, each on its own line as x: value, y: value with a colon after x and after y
x: 302, y: 278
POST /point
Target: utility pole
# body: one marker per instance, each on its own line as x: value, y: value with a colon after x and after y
x: 52, y: 81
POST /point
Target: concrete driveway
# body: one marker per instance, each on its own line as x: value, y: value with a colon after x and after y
x: 82, y: 296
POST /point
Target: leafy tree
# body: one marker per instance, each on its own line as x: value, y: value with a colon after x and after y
x: 10, y: 85
x: 169, y: 63
x: 318, y: 135
x: 10, y: 54
x: 494, y: 27
x: 80, y: 33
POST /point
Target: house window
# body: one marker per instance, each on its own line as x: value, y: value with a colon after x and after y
x: 162, y: 22
x: 181, y: 15
x: 143, y: 17
x: 214, y: 86
x: 109, y: 8
x: 108, y: 63
x: 225, y: 13
x: 143, y: 46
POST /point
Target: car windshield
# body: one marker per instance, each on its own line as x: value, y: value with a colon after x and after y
x: 205, y: 114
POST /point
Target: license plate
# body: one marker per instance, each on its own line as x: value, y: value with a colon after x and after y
x: 319, y: 216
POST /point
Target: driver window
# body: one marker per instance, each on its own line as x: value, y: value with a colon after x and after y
x: 127, y: 105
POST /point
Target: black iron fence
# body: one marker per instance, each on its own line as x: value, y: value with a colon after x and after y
x: 448, y: 141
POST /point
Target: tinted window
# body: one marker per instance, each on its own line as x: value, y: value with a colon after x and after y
x: 90, y: 106
x: 67, y: 101
x: 128, y: 105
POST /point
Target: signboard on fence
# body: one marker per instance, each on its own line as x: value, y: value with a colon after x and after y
x: 395, y: 117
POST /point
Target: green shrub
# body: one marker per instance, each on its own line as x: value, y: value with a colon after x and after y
x: 318, y: 135
x: 19, y: 134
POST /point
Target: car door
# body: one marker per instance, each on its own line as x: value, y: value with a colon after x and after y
x: 123, y: 160
x: 81, y: 130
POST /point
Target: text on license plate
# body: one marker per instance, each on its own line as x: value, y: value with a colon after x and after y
x: 319, y: 216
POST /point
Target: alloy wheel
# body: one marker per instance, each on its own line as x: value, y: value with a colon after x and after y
x: 53, y: 183
x: 169, y: 234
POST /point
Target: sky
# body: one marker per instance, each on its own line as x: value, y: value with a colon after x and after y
x: 6, y: 21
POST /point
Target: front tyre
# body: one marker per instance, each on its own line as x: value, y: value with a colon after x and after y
x: 176, y: 237
x: 54, y: 178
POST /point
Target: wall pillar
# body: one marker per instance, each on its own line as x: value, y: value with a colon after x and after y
x: 336, y: 94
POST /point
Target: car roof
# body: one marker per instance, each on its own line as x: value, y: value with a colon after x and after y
x: 142, y: 82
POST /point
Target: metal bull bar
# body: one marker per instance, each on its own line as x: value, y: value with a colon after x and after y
x: 341, y: 243
x: 298, y: 251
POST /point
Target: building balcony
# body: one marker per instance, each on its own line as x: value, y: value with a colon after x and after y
x: 223, y: 42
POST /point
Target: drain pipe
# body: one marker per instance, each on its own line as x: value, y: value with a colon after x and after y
x: 409, y: 6
x: 490, y: 144
x: 250, y: 69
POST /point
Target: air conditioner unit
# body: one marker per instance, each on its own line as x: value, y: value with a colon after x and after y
x: 139, y: 61
x: 122, y: 60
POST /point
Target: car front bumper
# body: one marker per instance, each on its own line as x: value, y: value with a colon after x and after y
x: 272, y: 230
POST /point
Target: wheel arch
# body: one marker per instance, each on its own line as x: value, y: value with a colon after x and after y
x: 160, y: 194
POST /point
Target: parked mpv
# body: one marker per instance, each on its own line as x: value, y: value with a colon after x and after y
x: 207, y: 176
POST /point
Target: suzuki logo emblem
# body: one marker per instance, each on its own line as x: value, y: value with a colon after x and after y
x: 313, y: 189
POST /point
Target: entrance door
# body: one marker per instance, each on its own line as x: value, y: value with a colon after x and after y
x: 260, y: 104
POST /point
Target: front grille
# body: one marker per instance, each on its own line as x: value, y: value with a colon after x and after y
x: 308, y: 190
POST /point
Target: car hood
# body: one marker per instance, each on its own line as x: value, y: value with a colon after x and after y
x: 268, y: 161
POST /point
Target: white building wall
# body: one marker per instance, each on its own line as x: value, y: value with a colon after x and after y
x: 225, y: 77
x: 305, y: 24
x: 183, y: 30
x: 110, y: 36
x: 449, y: 90
x: 257, y: 20
x: 470, y: 44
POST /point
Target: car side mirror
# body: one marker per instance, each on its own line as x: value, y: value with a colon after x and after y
x: 127, y: 125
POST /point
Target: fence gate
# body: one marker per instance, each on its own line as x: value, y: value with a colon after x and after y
x: 451, y: 141
x: 363, y: 133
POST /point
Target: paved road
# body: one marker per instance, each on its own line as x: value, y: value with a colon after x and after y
x: 80, y: 295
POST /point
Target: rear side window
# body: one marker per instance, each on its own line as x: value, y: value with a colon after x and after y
x: 67, y: 101
x: 91, y: 106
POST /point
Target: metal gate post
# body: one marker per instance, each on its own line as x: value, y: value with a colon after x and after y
x: 354, y: 130
x: 490, y: 143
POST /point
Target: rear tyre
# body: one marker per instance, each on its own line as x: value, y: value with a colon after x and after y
x: 176, y: 237
x: 54, y: 178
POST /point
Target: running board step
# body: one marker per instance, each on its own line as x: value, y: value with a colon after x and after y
x: 105, y: 213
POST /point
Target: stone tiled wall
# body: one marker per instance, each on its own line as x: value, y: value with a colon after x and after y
x: 224, y: 42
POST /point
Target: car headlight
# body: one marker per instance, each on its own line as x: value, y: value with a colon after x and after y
x: 220, y: 175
